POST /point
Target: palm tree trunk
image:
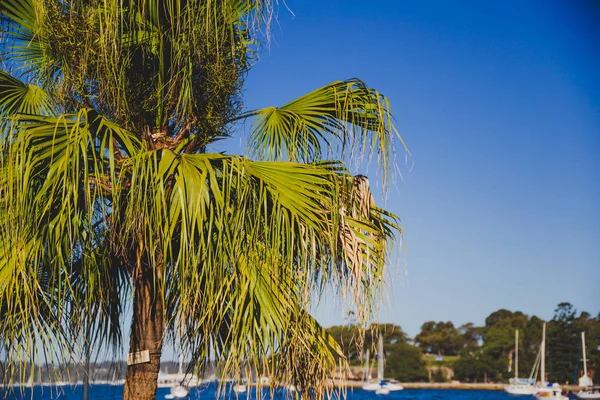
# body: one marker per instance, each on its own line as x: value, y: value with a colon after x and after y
x: 147, y: 330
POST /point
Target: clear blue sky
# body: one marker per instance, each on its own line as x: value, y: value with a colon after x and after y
x: 499, y: 103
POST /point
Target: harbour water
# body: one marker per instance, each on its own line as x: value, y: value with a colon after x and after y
x: 208, y: 392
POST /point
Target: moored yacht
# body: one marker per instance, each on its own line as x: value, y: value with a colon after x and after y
x: 520, y: 387
x: 179, y: 382
x: 240, y: 388
x: 590, y: 391
x: 178, y: 392
x: 547, y: 391
x: 550, y: 392
x: 382, y: 386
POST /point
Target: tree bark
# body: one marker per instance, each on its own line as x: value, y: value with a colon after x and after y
x: 147, y: 331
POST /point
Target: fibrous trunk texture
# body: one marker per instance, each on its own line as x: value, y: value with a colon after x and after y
x: 147, y: 330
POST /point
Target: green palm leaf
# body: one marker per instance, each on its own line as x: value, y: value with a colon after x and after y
x: 346, y: 116
x: 245, y: 239
x: 26, y: 49
x: 58, y: 174
x: 17, y: 97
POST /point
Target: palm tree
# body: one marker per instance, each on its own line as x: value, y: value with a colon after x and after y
x: 110, y: 199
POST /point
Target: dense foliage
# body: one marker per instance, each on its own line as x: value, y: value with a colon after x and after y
x: 490, y: 360
x: 485, y: 353
x: 564, y: 337
x: 403, y: 361
x: 110, y: 198
x: 440, y: 338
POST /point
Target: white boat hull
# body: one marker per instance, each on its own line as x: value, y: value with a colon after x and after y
x: 372, y: 387
x: 178, y: 392
x: 239, y: 388
x: 521, y: 390
x: 550, y: 393
x: 394, y: 387
x: 383, y: 388
x: 588, y: 395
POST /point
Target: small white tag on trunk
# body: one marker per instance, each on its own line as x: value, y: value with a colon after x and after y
x: 139, y: 357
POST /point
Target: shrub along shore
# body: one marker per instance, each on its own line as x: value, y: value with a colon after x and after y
x: 442, y: 353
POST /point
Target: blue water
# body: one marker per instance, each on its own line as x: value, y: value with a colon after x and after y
x: 109, y: 392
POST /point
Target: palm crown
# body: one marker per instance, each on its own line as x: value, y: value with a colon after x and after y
x: 108, y: 193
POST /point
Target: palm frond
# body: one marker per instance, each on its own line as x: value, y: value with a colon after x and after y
x: 246, y: 243
x: 17, y: 97
x: 345, y: 116
x: 23, y: 45
x: 238, y: 244
x: 111, y: 191
x: 59, y: 274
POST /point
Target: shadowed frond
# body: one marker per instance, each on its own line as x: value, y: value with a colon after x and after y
x: 58, y: 272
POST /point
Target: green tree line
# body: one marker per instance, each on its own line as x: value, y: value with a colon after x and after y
x: 481, y: 353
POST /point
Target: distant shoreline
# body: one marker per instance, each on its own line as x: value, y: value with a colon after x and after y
x: 351, y: 385
x: 428, y: 385
x: 447, y: 385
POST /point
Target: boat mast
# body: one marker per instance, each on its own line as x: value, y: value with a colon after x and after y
x: 516, y: 354
x: 180, y: 353
x: 180, y: 364
x: 584, y: 357
x: 380, y: 360
x: 544, y: 354
x: 367, y: 371
x: 86, y: 372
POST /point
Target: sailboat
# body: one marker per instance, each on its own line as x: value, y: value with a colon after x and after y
x: 381, y: 386
x: 545, y: 391
x: 367, y: 369
x: 369, y: 385
x: 240, y: 388
x: 590, y: 391
x: 175, y: 382
x: 521, y: 386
